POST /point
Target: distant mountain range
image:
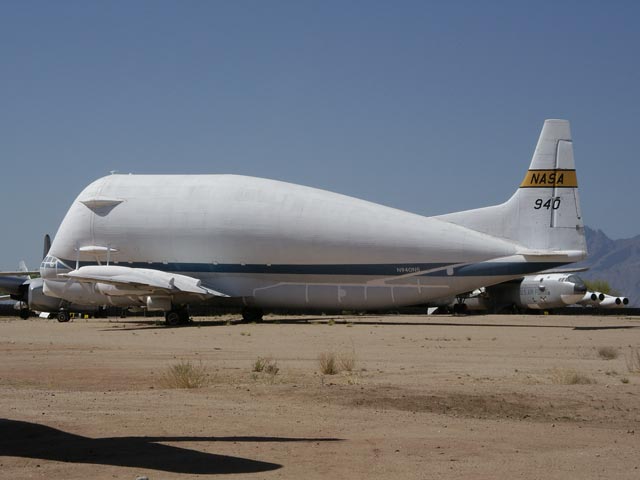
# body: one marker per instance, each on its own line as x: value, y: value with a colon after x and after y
x: 615, y: 261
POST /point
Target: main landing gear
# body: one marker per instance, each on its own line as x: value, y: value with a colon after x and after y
x: 252, y: 315
x: 177, y: 316
x: 460, y: 309
x: 63, y: 316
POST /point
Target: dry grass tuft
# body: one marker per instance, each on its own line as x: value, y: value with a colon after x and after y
x: 347, y: 361
x: 328, y: 363
x: 608, y: 353
x: 185, y: 374
x: 633, y: 361
x: 266, y: 365
x: 332, y: 363
x: 571, y: 377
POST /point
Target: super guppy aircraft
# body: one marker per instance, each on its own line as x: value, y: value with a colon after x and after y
x: 162, y: 242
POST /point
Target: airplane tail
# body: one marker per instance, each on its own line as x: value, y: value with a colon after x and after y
x: 22, y: 267
x: 543, y: 215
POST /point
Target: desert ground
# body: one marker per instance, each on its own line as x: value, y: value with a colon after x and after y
x: 482, y: 397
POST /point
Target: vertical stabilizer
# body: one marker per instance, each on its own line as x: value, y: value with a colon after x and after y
x: 544, y: 213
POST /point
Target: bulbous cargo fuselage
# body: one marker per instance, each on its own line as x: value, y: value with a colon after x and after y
x: 269, y: 243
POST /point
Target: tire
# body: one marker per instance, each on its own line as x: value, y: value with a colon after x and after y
x: 63, y: 316
x: 25, y: 313
x: 172, y: 318
x: 184, y: 316
x: 252, y: 315
x: 459, y: 309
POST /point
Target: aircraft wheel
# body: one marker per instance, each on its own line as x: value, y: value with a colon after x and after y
x: 24, y: 313
x: 459, y: 309
x: 184, y: 316
x: 172, y: 318
x: 252, y: 315
x: 63, y: 316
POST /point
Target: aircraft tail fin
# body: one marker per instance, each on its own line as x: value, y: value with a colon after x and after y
x: 544, y: 212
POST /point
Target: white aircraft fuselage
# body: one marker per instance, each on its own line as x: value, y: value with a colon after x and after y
x: 155, y: 241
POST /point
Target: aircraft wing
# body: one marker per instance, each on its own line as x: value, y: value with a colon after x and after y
x: 22, y: 272
x: 141, y: 281
x: 12, y: 284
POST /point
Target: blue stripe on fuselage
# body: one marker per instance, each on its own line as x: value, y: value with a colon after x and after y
x: 496, y: 269
x: 483, y: 269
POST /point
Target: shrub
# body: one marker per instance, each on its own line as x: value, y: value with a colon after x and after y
x: 347, y: 361
x: 633, y: 361
x: 328, y: 363
x: 608, y: 353
x: 184, y: 374
x: 266, y: 365
x: 332, y: 363
x: 571, y: 377
x: 599, y: 286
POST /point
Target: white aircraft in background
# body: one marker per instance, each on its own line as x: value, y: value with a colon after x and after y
x: 533, y: 292
x: 13, y: 287
x: 162, y: 242
x: 26, y: 294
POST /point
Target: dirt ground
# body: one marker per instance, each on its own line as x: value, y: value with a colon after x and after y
x: 482, y: 397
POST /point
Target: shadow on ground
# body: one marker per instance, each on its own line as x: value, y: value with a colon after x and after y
x: 125, y: 326
x: 32, y: 440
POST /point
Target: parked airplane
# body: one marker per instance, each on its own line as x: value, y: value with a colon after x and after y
x: 535, y: 292
x: 16, y: 286
x: 27, y: 293
x: 532, y: 292
x: 162, y: 242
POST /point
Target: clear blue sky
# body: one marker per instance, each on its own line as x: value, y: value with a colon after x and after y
x: 431, y: 107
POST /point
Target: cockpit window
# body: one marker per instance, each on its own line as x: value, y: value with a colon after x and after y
x: 60, y: 265
x: 577, y: 281
x: 49, y: 262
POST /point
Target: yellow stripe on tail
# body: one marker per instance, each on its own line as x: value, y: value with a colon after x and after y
x: 550, y: 178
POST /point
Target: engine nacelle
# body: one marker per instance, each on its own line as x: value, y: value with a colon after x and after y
x: 592, y: 298
x: 158, y: 304
x: 614, y: 302
x: 39, y: 301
